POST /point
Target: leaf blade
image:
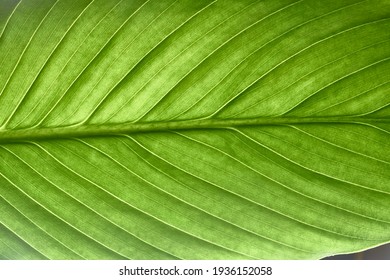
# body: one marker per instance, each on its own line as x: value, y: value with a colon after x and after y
x: 182, y: 130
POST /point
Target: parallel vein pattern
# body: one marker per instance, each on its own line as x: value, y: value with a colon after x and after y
x: 146, y: 129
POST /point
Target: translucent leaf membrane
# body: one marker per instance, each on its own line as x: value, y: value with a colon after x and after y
x: 193, y: 129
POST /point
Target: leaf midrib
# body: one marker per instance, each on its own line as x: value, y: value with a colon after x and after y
x: 93, y: 130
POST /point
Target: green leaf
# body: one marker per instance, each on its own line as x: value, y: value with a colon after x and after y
x: 193, y: 129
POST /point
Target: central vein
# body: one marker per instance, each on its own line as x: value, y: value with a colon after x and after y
x: 90, y: 130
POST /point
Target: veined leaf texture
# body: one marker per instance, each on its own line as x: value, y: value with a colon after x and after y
x: 227, y: 129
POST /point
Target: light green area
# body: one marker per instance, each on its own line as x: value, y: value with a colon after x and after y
x: 193, y: 129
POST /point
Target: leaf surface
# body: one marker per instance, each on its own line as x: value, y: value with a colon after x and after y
x: 193, y: 129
